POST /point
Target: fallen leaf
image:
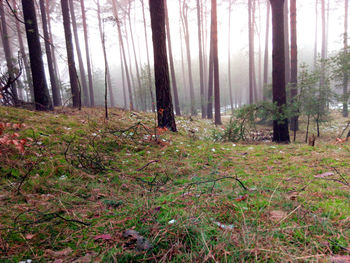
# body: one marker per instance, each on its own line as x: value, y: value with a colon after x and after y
x: 86, y: 259
x: 62, y: 253
x: 103, y: 237
x: 340, y: 259
x: 277, y: 215
x: 293, y: 195
x: 29, y: 236
x: 326, y: 174
x: 241, y: 198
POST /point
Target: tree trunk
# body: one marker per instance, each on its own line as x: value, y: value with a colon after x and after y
x: 55, y: 90
x: 108, y: 75
x: 229, y: 55
x: 24, y: 55
x: 41, y: 93
x: 123, y: 80
x: 210, y: 79
x: 200, y: 55
x: 70, y: 55
x: 188, y: 49
x: 214, y: 37
x: 172, y: 68
x: 280, y: 127
x: 148, y: 62
x: 345, y: 74
x: 294, y: 60
x: 8, y: 52
x: 266, y: 55
x: 251, y: 51
x: 164, y: 103
x: 87, y: 54
x: 184, y: 80
x: 121, y: 43
x: 316, y: 35
x: 286, y: 41
x: 80, y: 58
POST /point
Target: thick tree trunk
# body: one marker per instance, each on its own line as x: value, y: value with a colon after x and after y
x: 41, y: 93
x: 148, y: 62
x: 8, y: 52
x: 55, y: 90
x: 108, y: 75
x: 200, y: 55
x: 280, y: 127
x: 171, y: 60
x: 87, y: 54
x: 266, y: 55
x: 24, y: 55
x: 214, y: 36
x: 121, y: 43
x: 294, y: 60
x: 345, y: 74
x: 164, y: 103
x: 70, y: 55
x: 189, y: 61
x: 80, y: 57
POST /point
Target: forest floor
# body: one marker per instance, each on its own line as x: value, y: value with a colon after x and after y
x: 77, y: 188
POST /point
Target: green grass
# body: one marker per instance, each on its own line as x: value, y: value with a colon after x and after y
x: 108, y: 191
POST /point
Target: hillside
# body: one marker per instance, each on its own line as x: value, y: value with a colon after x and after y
x: 78, y: 188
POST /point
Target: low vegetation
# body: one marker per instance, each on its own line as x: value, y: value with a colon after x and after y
x: 77, y: 188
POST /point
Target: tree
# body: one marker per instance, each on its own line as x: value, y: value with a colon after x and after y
x: 70, y: 55
x: 294, y: 61
x: 229, y: 55
x: 8, y: 52
x: 41, y: 93
x: 54, y: 87
x: 200, y: 55
x: 171, y: 60
x: 251, y: 24
x: 80, y: 58
x: 280, y: 126
x: 345, y: 74
x: 165, y: 111
x: 87, y: 54
x: 214, y: 39
x: 266, y: 55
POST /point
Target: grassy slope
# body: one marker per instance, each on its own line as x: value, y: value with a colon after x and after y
x: 288, y: 215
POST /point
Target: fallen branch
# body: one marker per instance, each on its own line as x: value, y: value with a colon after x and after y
x: 147, y: 164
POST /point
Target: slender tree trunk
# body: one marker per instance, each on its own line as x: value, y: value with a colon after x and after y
x: 266, y: 55
x: 87, y: 54
x: 255, y: 93
x: 115, y: 11
x: 205, y: 55
x: 294, y: 61
x: 164, y: 102
x: 148, y: 62
x: 229, y: 55
x: 322, y: 105
x: 107, y: 71
x: 188, y: 49
x: 200, y: 55
x: 260, y: 86
x: 286, y: 41
x: 24, y: 55
x: 280, y: 127
x: 80, y: 58
x: 316, y: 35
x: 345, y: 73
x: 251, y: 51
x: 184, y: 80
x: 214, y: 37
x: 41, y: 93
x: 210, y: 79
x: 172, y: 68
x: 70, y: 55
x: 123, y: 80
x: 8, y: 52
x: 55, y: 90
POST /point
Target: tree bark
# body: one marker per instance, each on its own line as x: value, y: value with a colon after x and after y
x: 164, y: 102
x: 294, y: 60
x: 200, y: 55
x: 171, y: 60
x: 55, y: 90
x: 123, y: 80
x: 266, y: 55
x: 345, y: 73
x: 80, y: 58
x: 70, y: 55
x: 251, y: 52
x: 286, y: 41
x: 280, y: 127
x: 214, y: 36
x: 8, y: 52
x: 229, y: 55
x: 210, y: 79
x: 41, y: 93
x: 87, y: 54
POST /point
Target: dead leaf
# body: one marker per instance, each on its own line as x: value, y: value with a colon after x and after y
x: 340, y: 259
x: 293, y: 195
x: 103, y: 237
x: 86, y: 259
x: 277, y: 215
x: 241, y: 198
x: 58, y: 254
x: 326, y: 174
x: 29, y: 236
